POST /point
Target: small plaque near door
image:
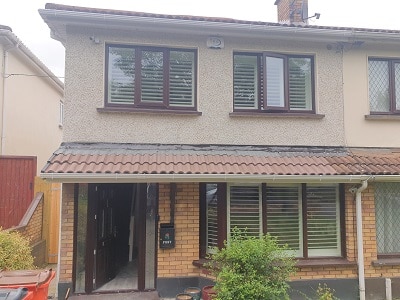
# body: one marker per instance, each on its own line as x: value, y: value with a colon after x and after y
x: 167, y: 236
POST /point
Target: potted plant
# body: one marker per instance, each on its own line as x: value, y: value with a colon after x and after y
x: 254, y: 268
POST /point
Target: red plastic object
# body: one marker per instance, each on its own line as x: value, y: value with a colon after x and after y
x: 36, y: 281
x: 208, y: 292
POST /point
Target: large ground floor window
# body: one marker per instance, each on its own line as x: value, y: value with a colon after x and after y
x: 387, y: 207
x: 306, y: 217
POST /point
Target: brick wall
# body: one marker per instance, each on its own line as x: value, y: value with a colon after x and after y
x: 178, y: 261
x: 285, y: 10
x: 33, y: 227
x: 369, y: 237
x: 67, y: 232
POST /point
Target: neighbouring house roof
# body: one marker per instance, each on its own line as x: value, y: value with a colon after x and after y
x: 85, y: 160
x: 12, y: 42
x: 57, y: 16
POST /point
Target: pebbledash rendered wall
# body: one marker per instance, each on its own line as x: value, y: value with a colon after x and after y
x: 178, y: 262
x: 85, y: 89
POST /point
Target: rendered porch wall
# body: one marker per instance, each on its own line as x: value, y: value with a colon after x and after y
x: 177, y: 262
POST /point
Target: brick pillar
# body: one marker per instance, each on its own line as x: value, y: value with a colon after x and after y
x: 67, y: 233
x: 177, y: 262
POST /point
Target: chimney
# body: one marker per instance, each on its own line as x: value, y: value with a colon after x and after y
x: 292, y: 11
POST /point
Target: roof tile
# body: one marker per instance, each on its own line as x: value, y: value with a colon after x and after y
x: 189, y: 159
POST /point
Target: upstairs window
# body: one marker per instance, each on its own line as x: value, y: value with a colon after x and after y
x: 271, y: 82
x: 384, y: 86
x: 144, y: 77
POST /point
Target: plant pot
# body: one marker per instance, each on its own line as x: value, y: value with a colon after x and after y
x: 184, y: 296
x: 208, y: 292
x: 195, y: 292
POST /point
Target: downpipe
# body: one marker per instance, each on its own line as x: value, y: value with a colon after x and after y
x: 360, y: 246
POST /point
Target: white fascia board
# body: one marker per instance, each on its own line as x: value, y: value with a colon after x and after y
x: 242, y: 178
x: 57, y: 20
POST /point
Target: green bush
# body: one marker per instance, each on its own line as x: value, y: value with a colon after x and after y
x: 252, y: 268
x: 15, y: 251
x: 325, y: 293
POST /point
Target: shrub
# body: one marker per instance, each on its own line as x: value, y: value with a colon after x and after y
x: 15, y: 251
x: 325, y: 293
x: 252, y: 268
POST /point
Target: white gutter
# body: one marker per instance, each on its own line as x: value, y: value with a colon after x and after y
x: 360, y: 247
x: 58, y: 19
x: 124, y: 178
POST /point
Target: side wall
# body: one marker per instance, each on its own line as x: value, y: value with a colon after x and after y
x: 31, y: 103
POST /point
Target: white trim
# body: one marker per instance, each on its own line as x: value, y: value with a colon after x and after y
x: 239, y: 178
x: 58, y: 19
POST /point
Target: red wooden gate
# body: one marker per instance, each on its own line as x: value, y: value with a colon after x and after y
x: 17, y: 175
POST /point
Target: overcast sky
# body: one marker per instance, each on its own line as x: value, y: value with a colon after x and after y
x: 23, y: 17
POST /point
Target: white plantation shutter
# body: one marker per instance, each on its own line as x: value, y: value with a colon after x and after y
x: 284, y: 216
x: 181, y: 78
x: 245, y: 82
x: 212, y: 217
x: 323, y: 222
x: 245, y: 209
x: 300, y: 90
x: 152, y: 77
x: 275, y: 81
x: 121, y: 75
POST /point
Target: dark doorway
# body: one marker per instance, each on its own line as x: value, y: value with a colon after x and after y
x: 118, y: 243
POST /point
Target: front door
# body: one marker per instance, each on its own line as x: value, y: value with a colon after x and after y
x: 105, y: 235
x: 121, y: 240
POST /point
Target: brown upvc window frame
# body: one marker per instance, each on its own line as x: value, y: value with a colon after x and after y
x: 222, y: 190
x: 137, y: 101
x: 262, y: 101
x: 392, y: 83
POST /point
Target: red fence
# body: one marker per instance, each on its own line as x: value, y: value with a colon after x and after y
x: 17, y: 174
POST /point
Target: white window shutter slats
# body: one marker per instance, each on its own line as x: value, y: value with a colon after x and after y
x: 212, y: 217
x: 152, y: 77
x: 121, y: 75
x: 245, y: 82
x: 284, y: 215
x: 323, y: 222
x: 300, y: 91
x: 181, y: 78
x: 245, y: 209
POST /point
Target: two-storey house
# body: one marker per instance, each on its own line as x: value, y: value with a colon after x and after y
x: 180, y: 128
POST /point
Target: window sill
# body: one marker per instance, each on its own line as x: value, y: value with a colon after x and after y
x: 386, y: 262
x: 382, y: 117
x: 316, y: 262
x: 325, y: 262
x: 148, y: 110
x: 276, y: 115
